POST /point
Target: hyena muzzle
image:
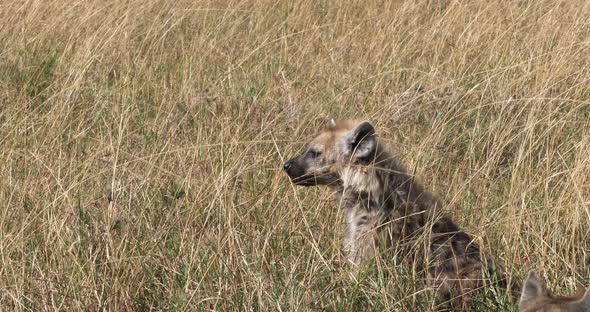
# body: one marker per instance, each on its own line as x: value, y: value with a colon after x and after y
x: 385, y: 206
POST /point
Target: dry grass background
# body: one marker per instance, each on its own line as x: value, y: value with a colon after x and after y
x: 142, y: 142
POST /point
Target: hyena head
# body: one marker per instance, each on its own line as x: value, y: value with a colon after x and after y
x: 537, y: 298
x: 339, y: 146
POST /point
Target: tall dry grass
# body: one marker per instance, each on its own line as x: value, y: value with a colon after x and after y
x: 142, y: 141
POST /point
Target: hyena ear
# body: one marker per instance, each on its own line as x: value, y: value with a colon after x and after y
x: 533, y: 287
x: 359, y: 142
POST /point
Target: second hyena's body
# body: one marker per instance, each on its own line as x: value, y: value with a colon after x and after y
x: 386, y: 207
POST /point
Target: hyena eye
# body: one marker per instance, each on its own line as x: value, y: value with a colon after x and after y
x: 313, y: 153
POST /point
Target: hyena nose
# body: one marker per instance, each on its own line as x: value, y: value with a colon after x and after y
x: 287, y: 165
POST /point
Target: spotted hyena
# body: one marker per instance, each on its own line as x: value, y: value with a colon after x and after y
x: 537, y: 298
x: 386, y: 207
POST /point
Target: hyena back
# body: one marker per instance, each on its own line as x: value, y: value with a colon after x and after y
x: 537, y: 298
x: 385, y: 206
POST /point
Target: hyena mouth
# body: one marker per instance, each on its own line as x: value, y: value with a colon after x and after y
x: 305, y: 180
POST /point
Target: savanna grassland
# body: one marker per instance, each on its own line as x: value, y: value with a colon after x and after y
x: 141, y: 145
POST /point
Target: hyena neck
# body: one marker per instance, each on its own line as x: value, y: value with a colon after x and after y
x: 383, y: 185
